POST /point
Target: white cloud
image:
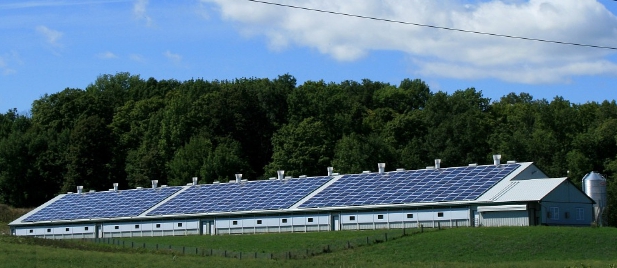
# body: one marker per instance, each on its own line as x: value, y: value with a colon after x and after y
x: 175, y: 58
x: 140, y: 12
x: 7, y: 61
x: 445, y: 53
x: 51, y: 36
x: 107, y: 55
x: 137, y: 58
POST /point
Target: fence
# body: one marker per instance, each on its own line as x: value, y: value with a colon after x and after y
x: 388, y: 235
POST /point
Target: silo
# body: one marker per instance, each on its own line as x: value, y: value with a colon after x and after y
x: 594, y: 185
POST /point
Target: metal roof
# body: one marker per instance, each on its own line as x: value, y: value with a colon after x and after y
x: 522, y: 190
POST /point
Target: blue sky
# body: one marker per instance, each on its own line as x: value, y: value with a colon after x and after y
x: 47, y: 46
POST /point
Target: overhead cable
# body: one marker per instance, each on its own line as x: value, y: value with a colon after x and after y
x: 434, y: 26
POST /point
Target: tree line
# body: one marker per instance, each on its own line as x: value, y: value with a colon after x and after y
x: 129, y: 130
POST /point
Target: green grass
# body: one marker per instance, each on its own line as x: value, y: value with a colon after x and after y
x: 462, y: 247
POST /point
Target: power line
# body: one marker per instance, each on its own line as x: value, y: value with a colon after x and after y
x: 433, y: 26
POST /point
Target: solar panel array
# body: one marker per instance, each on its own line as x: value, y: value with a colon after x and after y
x: 246, y: 196
x: 126, y: 203
x: 429, y: 185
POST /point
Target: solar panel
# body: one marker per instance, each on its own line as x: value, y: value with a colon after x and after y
x: 246, y: 196
x: 126, y: 203
x: 415, y: 186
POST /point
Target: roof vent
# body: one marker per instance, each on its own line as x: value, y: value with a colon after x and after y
x: 400, y: 169
x: 79, y: 189
x: 497, y: 159
x: 238, y: 178
x: 302, y: 176
x: 366, y: 172
x: 430, y: 167
x: 216, y: 182
x: 194, y: 180
x: 281, y: 174
x: 155, y: 183
x: 92, y: 191
x: 139, y: 187
x: 473, y: 165
x: 115, y: 186
x: 164, y: 185
x: 288, y: 177
x: 69, y: 192
x: 272, y: 178
x: 335, y: 174
x: 511, y: 162
x: 381, y: 167
x: 437, y: 163
x: 330, y: 170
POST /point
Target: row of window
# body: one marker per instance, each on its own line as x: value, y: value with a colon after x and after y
x: 65, y: 229
x: 553, y: 214
x: 409, y: 216
x: 282, y: 221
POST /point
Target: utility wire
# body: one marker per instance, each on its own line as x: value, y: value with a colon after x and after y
x: 433, y: 26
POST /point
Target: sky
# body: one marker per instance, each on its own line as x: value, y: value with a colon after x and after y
x: 49, y: 45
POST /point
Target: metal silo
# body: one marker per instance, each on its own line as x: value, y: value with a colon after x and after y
x: 594, y: 185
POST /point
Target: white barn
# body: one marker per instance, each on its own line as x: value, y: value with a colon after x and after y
x: 511, y: 194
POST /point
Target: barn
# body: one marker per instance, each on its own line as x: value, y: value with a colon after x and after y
x: 499, y: 194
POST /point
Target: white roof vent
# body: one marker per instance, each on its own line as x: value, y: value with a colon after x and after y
x: 288, y: 177
x: 381, y: 167
x: 281, y: 174
x: 238, y: 178
x: 335, y: 174
x: 92, y: 191
x: 400, y: 169
x: 473, y: 165
x: 330, y: 170
x: 272, y: 178
x: 164, y: 185
x: 511, y: 162
x: 155, y: 183
x: 115, y: 186
x: 302, y: 176
x: 437, y: 163
x: 79, y: 189
x: 216, y: 182
x: 430, y: 167
x: 366, y: 172
x: 194, y: 180
x: 497, y: 159
x: 139, y: 187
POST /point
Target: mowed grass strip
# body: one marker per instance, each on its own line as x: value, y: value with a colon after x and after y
x: 273, y: 242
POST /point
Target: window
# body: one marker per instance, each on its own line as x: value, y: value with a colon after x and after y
x: 352, y: 218
x: 234, y: 222
x: 136, y: 226
x: 158, y: 225
x: 310, y: 219
x: 284, y: 220
x: 179, y: 224
x: 440, y: 214
x: 116, y: 227
x: 554, y: 213
x: 31, y: 231
x: 49, y: 230
x: 380, y: 217
x: 580, y: 214
x: 86, y: 228
x: 66, y: 229
x: 258, y: 221
x: 410, y: 216
x: 566, y: 215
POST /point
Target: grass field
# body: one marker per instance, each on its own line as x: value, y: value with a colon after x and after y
x: 460, y: 247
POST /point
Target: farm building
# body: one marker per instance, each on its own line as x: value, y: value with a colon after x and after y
x: 511, y: 194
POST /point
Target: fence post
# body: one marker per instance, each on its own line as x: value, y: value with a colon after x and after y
x: 367, y: 240
x: 157, y: 246
x: 421, y: 228
x: 196, y: 251
x: 348, y: 244
x: 255, y: 254
x: 240, y: 255
x: 183, y: 248
x: 144, y: 244
x: 386, y: 236
x: 225, y: 254
x: 438, y: 226
x: 211, y: 252
x: 132, y: 244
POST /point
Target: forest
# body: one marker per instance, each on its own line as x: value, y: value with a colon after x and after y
x: 129, y: 130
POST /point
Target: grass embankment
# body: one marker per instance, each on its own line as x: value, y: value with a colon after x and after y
x: 9, y: 214
x: 462, y: 247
